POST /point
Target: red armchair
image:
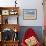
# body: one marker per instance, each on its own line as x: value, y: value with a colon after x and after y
x: 28, y: 34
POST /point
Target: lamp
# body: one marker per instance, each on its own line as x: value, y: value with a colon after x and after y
x: 15, y: 3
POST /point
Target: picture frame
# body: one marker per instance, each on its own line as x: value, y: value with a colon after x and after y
x: 5, y: 12
x: 29, y: 14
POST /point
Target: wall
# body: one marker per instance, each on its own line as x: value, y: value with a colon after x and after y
x: 24, y: 4
x: 7, y: 3
x: 32, y: 4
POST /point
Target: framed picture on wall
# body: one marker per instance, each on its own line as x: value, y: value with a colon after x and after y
x: 29, y: 14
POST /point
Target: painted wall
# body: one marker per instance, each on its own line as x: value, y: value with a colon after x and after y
x: 24, y: 4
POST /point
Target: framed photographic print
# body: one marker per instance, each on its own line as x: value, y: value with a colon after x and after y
x: 5, y: 12
x: 29, y: 14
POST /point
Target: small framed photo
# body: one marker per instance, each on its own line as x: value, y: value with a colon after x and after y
x: 29, y: 14
x: 5, y: 12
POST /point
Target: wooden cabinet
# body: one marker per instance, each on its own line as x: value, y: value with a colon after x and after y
x: 9, y: 23
x: 10, y: 43
x: 0, y: 43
